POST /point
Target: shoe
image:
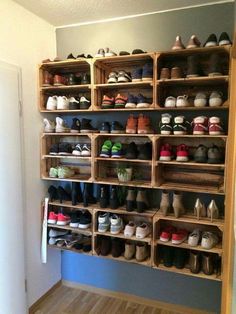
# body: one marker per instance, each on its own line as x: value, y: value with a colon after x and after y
x: 86, y: 150
x: 131, y: 200
x: 61, y: 126
x: 76, y: 193
x: 62, y: 103
x: 131, y: 126
x: 193, y: 66
x: 64, y: 149
x: 117, y: 247
x: 179, y: 258
x: 131, y: 151
x: 180, y: 125
x: 112, y: 77
x: 215, y: 68
x: 166, y: 152
x: 105, y: 246
x: 165, y: 74
x: 85, y: 80
x: 51, y: 103
x: 176, y: 73
x: 142, y: 230
x: 105, y: 127
x: 75, y: 217
x: 123, y: 77
x: 142, y: 201
x: 166, y: 124
x: 107, y: 102
x: 207, y: 264
x: 166, y: 233
x: 71, y: 79
x: 85, y: 220
x: 182, y: 101
x: 145, y: 151
x: 178, y: 204
x: 130, y: 229
x: 106, y: 149
x: 113, y: 200
x: 117, y: 150
x: 88, y: 197
x: 103, y: 222
x: 52, y: 218
x: 74, y: 104
x: 104, y: 196
x: 168, y: 256
x: 131, y: 101
x: 59, y: 80
x: 165, y: 202
x: 215, y: 155
x: 116, y: 224
x: 129, y: 250
x: 170, y: 102
x: 120, y: 101
x: 52, y: 191
x: 193, y: 42
x: 137, y: 75
x: 47, y: 79
x: 82, y: 55
x: 77, y: 150
x: 209, y: 240
x: 199, y: 209
x: 124, y: 53
x: 63, y: 195
x: 179, y: 236
x: 100, y: 53
x: 200, y: 125
x: 215, y: 99
x: 194, y: 237
x: 211, y: 41
x: 109, y: 53
x: 194, y: 262
x: 117, y: 128
x: 63, y: 220
x: 57, y: 233
x: 137, y: 51
x: 70, y: 57
x: 54, y: 149
x: 75, y: 127
x: 200, y: 100
x: 224, y: 39
x: 200, y: 154
x: 141, y: 252
x: 147, y: 72
x: 53, y: 172
x: 178, y: 44
x: 84, y: 103
x: 144, y: 125
x: 65, y: 172
x: 182, y: 153
x: 142, y: 102
x: 215, y: 127
x: 212, y: 210
x: 86, y: 126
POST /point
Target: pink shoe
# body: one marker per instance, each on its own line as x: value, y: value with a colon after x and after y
x: 166, y: 152
x: 63, y: 220
x: 182, y: 153
x: 215, y: 127
x: 179, y: 237
x: 166, y: 233
x: 52, y: 218
x: 200, y: 125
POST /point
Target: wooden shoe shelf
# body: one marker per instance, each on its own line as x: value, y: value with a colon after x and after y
x: 204, y: 180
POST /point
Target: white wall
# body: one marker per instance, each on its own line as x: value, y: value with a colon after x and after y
x: 25, y: 40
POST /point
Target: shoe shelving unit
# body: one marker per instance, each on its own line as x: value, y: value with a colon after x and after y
x: 211, y: 180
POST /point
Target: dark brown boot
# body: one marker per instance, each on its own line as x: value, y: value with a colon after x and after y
x: 215, y: 68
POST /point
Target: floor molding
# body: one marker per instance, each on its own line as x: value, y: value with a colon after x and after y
x: 44, y: 296
x: 133, y: 298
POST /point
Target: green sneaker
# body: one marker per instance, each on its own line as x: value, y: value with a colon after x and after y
x: 106, y: 149
x: 116, y: 151
x: 53, y: 172
x: 65, y: 172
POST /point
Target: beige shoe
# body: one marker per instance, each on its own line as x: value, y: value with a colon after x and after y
x: 129, y: 250
x: 212, y: 210
x: 165, y: 202
x: 194, y: 42
x: 178, y: 44
x: 199, y: 209
x: 178, y: 204
x: 141, y: 252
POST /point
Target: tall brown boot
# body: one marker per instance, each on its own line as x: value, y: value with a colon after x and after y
x: 165, y: 202
x: 178, y: 204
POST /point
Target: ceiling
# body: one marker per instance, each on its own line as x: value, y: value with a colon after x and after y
x: 67, y: 12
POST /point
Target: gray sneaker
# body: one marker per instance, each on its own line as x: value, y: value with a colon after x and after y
x: 103, y: 222
x: 215, y: 156
x: 200, y: 154
x: 116, y: 224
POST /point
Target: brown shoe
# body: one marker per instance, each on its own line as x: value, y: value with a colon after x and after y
x: 165, y: 202
x: 176, y: 73
x: 144, y: 125
x: 47, y: 79
x: 194, y: 262
x: 141, y: 252
x: 165, y: 74
x: 207, y: 264
x: 129, y: 250
x: 59, y: 80
x: 178, y: 204
x: 131, y: 126
x: 178, y: 44
x: 193, y: 42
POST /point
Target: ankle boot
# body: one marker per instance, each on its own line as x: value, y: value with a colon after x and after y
x: 194, y: 262
x: 212, y: 210
x: 141, y: 252
x: 199, y: 209
x: 104, y: 196
x: 178, y: 205
x: 52, y: 191
x: 114, y: 202
x: 193, y: 66
x: 207, y: 264
x: 141, y: 200
x: 131, y: 200
x: 215, y: 67
x: 63, y: 195
x: 88, y: 197
x: 76, y: 193
x: 165, y: 202
x: 129, y: 250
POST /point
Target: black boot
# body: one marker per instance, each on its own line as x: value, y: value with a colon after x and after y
x: 114, y: 202
x: 52, y: 191
x: 193, y: 66
x: 88, y: 197
x: 76, y: 193
x: 63, y: 195
x: 215, y: 67
x: 104, y: 196
x: 131, y: 200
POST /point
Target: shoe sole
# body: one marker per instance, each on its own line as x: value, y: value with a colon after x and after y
x: 179, y: 132
x: 129, y: 131
x: 84, y: 226
x: 215, y: 133
x: 123, y: 80
x: 117, y: 156
x: 76, y: 154
x: 64, y: 153
x: 130, y: 105
x: 74, y: 225
x: 107, y: 107
x: 88, y: 131
x: 198, y: 133
x: 52, y: 222
x: 215, y: 74
x: 179, y: 241
x: 145, y: 79
x: 137, y: 80
x: 182, y: 158
x: 164, y: 239
x: 105, y: 155
x: 62, y: 131
x: 117, y: 132
x: 143, y: 105
x: 162, y: 158
x: 62, y: 223
x: 112, y: 81
x: 85, y: 154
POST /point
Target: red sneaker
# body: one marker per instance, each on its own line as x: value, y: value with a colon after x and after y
x: 166, y: 152
x: 166, y: 233
x: 179, y: 236
x: 59, y: 80
x: 107, y: 102
x: 63, y: 220
x: 52, y: 218
x: 120, y: 101
x: 182, y: 153
x: 200, y: 125
x: 215, y: 127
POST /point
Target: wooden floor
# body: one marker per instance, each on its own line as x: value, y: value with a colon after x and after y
x: 69, y: 300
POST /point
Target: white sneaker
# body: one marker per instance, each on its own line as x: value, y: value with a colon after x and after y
x: 200, y: 100
x: 77, y: 151
x: 182, y: 101
x: 56, y: 233
x: 194, y: 237
x: 103, y: 222
x: 116, y: 224
x: 62, y: 103
x: 209, y: 240
x: 49, y: 126
x: 86, y: 150
x: 143, y: 230
x: 130, y: 229
x: 215, y: 99
x: 51, y: 103
x: 170, y: 102
x: 61, y: 126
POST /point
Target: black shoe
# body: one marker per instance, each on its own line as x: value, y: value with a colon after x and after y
x: 71, y: 79
x: 105, y: 247
x: 124, y: 53
x: 54, y: 149
x: 193, y: 66
x: 114, y: 202
x: 104, y: 196
x: 194, y: 262
x: 117, y: 128
x: 215, y: 68
x: 224, y: 39
x: 168, y: 256
x: 86, y: 126
x: 131, y: 200
x: 82, y: 55
x: 70, y: 56
x: 52, y: 191
x: 145, y: 151
x: 88, y: 197
x: 85, y: 79
x: 142, y: 201
x: 85, y: 220
x: 74, y: 104
x: 63, y: 195
x: 74, y: 219
x: 89, y: 56
x: 65, y: 149
x: 137, y: 51
x: 179, y: 258
x: 75, y: 127
x: 117, y: 247
x: 76, y: 193
x: 211, y: 41
x: 105, y: 127
x: 131, y: 151
x: 84, y: 103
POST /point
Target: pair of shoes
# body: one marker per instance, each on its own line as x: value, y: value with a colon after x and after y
x: 143, y: 74
x: 203, y: 125
x: 180, y: 101
x: 212, y: 155
x: 119, y: 77
x: 177, y: 204
x: 140, y: 230
x: 69, y: 240
x: 107, y: 52
x: 211, y: 211
x: 140, y: 251
x: 59, y: 127
x: 194, y: 68
x: 61, y: 172
x: 208, y: 263
x: 58, y: 219
x: 177, y: 236
x: 138, y: 101
x: 63, y: 149
x: 81, y: 220
x: 58, y: 194
x: 208, y: 239
x: 77, y: 79
x: 108, y: 197
x: 106, y: 245
x: 56, y: 59
x: 212, y: 40
x: 108, y: 221
x: 137, y: 200
x: 215, y: 99
x: 110, y: 102
x: 174, y: 257
x: 173, y: 73
x: 82, y: 55
x: 140, y: 125
x: 114, y: 128
x: 192, y: 43
x: 55, y: 234
x: 180, y: 126
x: 167, y: 154
x: 84, y: 127
x: 83, y: 150
x: 142, y: 151
x: 111, y: 150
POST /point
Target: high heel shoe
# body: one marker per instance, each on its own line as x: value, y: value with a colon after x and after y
x: 63, y: 195
x: 199, y: 209
x: 52, y: 191
x: 76, y: 194
x: 165, y: 202
x: 212, y: 210
x: 178, y: 204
